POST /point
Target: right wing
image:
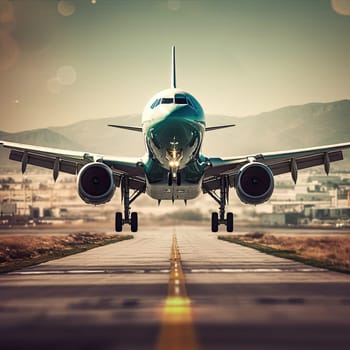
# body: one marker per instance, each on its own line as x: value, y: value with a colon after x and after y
x: 279, y: 163
x: 216, y: 127
x: 71, y: 162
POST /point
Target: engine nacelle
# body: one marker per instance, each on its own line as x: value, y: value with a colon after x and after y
x: 96, y: 183
x: 254, y: 183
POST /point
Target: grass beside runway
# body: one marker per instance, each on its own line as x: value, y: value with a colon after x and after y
x: 17, y: 252
x: 327, y: 252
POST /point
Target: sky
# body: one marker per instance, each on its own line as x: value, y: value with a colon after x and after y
x: 66, y: 61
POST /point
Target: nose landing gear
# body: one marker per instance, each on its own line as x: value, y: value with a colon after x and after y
x: 174, y: 176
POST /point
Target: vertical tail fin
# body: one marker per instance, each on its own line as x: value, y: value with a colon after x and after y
x: 173, y: 69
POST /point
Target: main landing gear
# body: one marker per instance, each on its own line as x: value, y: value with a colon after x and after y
x: 219, y: 218
x: 129, y: 218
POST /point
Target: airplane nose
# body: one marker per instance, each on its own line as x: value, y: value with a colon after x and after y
x: 174, y: 154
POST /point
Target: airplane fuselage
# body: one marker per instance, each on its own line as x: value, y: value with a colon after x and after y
x: 173, y: 124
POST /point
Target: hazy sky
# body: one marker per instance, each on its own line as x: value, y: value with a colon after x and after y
x: 64, y: 61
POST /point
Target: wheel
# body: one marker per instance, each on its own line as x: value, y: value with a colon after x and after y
x: 118, y: 222
x: 170, y: 179
x: 214, y: 222
x: 178, y: 179
x: 229, y: 222
x: 134, y: 222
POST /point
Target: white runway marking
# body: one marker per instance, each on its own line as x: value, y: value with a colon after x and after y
x: 256, y: 270
x: 86, y: 272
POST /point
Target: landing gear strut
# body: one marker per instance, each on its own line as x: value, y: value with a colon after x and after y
x: 219, y: 218
x: 129, y: 218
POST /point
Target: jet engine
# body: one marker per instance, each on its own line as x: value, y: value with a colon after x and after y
x: 96, y: 183
x: 254, y: 183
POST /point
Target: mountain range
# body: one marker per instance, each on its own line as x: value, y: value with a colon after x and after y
x: 292, y: 127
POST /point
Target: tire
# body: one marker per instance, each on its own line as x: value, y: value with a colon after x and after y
x: 178, y: 179
x: 118, y: 222
x: 229, y: 222
x: 214, y: 222
x: 134, y: 222
x: 170, y: 179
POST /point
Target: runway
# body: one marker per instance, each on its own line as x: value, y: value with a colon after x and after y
x: 174, y: 288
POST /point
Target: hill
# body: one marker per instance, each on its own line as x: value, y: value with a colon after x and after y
x: 39, y: 137
x: 292, y: 127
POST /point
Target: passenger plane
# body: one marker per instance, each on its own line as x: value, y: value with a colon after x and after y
x: 173, y: 168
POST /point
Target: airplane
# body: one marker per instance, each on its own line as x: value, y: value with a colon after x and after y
x: 174, y: 168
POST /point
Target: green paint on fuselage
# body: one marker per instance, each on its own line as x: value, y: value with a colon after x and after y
x: 173, y: 136
x: 181, y: 130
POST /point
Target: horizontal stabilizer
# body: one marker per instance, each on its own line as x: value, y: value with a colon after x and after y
x: 210, y: 128
x: 132, y: 128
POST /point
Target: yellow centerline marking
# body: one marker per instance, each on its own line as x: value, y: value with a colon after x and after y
x: 177, y: 330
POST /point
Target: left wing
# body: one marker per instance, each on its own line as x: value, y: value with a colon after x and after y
x: 126, y: 127
x: 279, y: 162
x: 71, y: 162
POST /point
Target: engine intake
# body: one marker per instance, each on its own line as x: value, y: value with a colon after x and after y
x: 254, y: 183
x: 95, y: 183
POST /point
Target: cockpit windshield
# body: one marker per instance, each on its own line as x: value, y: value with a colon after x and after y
x: 167, y: 100
x: 155, y: 103
x: 179, y: 99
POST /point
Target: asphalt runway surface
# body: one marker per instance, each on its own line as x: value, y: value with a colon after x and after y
x: 174, y: 288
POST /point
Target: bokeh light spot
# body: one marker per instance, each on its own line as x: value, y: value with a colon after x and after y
x: 8, y: 51
x: 7, y: 17
x: 54, y: 86
x: 65, y: 8
x: 342, y: 7
x: 174, y: 5
x: 66, y: 75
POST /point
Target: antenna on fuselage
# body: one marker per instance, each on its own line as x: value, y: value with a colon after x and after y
x: 173, y: 69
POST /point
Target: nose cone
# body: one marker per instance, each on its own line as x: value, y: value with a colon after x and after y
x: 175, y: 140
x: 172, y: 133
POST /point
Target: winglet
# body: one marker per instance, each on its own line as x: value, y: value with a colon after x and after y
x: 173, y: 69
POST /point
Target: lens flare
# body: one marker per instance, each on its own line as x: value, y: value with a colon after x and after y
x: 8, y: 51
x: 54, y: 86
x: 174, y: 5
x: 65, y: 8
x: 66, y: 75
x: 7, y: 16
x: 341, y: 7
